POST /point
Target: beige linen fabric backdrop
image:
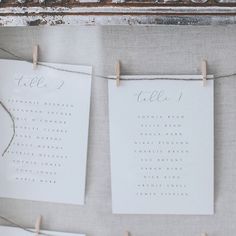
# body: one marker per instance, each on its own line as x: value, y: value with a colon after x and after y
x: 142, y: 50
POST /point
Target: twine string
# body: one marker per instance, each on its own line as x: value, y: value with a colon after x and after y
x: 90, y: 74
x: 13, y: 126
x: 13, y: 223
x: 109, y: 77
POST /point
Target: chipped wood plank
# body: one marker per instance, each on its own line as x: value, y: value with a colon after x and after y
x: 114, y: 20
x: 106, y: 13
x: 119, y: 10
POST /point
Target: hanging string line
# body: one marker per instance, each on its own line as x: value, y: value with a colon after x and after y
x: 13, y: 125
x: 23, y: 227
x: 94, y: 75
x: 109, y: 77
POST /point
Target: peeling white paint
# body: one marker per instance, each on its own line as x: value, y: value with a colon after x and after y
x: 21, y: 1
x: 120, y: 10
x: 116, y: 15
x: 113, y: 20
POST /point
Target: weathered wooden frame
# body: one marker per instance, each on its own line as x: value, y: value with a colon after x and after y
x: 110, y: 13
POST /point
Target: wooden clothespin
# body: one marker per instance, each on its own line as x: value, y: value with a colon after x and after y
x: 117, y: 69
x: 203, y: 234
x: 38, y: 225
x: 127, y: 233
x: 204, y: 72
x: 35, y: 56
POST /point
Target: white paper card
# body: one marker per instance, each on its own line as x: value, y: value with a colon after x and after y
x: 13, y: 231
x: 47, y: 159
x: 161, y: 142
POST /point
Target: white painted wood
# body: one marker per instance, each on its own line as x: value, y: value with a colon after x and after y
x: 119, y: 10
x: 111, y: 15
x: 88, y: 1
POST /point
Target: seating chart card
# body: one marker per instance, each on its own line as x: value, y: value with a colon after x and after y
x: 13, y: 231
x: 47, y: 159
x: 161, y: 142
